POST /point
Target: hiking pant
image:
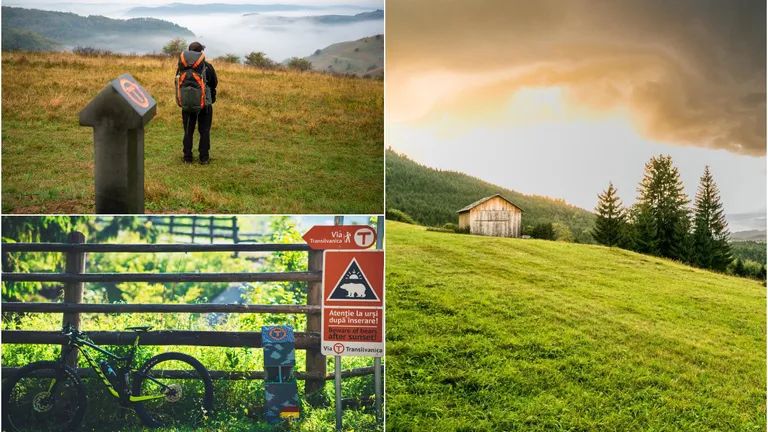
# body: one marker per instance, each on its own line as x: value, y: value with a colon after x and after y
x: 203, y: 120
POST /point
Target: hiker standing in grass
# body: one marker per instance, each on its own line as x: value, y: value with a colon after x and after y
x: 196, y: 83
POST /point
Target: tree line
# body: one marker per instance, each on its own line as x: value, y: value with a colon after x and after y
x: 255, y: 59
x: 662, y: 222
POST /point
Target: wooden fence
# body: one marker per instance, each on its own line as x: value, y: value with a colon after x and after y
x: 75, y: 276
x: 208, y: 228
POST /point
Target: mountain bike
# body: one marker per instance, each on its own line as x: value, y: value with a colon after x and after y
x: 170, y: 388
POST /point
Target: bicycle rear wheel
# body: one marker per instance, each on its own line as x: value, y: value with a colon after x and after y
x: 29, y: 404
x: 185, y: 384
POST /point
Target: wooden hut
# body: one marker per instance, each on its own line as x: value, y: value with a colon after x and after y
x: 492, y: 216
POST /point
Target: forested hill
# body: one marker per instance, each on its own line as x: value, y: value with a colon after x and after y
x: 69, y: 28
x: 25, y: 40
x: 432, y: 197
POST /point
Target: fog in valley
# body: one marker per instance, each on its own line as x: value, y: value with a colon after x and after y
x: 279, y: 34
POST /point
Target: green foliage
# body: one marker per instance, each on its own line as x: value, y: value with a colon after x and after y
x: 710, y: 235
x: 544, y: 231
x: 663, y: 202
x: 611, y: 223
x: 399, y: 216
x: 259, y: 60
x: 562, y: 232
x: 229, y: 58
x: 439, y: 229
x: 89, y: 51
x: 24, y: 40
x: 493, y: 334
x: 175, y: 47
x: 56, y: 229
x: 299, y: 64
x: 749, y: 250
x: 433, y: 196
x: 65, y: 27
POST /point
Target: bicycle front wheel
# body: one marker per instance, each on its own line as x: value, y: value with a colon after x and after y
x: 44, y: 396
x: 185, y: 386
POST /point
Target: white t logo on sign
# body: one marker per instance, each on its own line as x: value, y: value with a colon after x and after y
x: 364, y: 237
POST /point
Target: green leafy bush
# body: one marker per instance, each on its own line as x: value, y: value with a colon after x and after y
x: 229, y: 58
x: 174, y: 47
x: 299, y: 64
x: 399, y: 216
x: 259, y: 60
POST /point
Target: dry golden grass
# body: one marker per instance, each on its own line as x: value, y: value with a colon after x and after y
x: 281, y: 142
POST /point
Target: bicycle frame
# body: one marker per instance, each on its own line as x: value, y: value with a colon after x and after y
x: 80, y: 344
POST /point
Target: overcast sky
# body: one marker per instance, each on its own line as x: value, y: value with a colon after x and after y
x: 558, y: 97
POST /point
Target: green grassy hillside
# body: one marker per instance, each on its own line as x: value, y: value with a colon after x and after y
x: 361, y: 57
x: 490, y: 334
x: 281, y: 141
x: 432, y: 197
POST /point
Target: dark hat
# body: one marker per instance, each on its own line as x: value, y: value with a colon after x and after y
x: 196, y: 46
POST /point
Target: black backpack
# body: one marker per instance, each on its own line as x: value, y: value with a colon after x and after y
x: 192, y: 92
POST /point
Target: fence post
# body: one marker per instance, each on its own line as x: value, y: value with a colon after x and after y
x: 235, y: 239
x: 194, y: 222
x: 316, y: 364
x: 211, y: 227
x: 73, y: 291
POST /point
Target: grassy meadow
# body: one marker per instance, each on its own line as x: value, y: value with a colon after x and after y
x: 491, y: 334
x: 281, y: 141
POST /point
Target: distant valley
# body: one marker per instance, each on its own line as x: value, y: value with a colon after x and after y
x: 214, y: 8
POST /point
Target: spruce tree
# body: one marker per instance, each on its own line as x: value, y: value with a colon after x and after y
x: 611, y: 219
x: 662, y: 200
x: 711, y: 235
x: 644, y: 230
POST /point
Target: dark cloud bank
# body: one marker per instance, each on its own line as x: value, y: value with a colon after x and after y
x: 692, y: 71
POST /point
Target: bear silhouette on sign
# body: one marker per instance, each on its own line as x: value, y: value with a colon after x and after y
x: 353, y: 286
x: 354, y: 289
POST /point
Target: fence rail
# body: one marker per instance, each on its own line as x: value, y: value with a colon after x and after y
x: 149, y: 248
x: 75, y: 277
x: 225, y: 375
x: 158, y: 308
x: 308, y: 276
x: 158, y: 338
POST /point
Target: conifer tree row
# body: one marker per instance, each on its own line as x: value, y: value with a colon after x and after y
x: 662, y: 224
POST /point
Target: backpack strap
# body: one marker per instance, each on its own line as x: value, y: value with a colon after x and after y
x: 197, y: 63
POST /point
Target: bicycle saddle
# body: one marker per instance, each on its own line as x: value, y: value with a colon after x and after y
x: 139, y: 329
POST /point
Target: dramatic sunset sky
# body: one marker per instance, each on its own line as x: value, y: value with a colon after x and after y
x: 558, y: 97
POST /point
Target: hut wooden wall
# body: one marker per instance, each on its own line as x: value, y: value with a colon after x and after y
x: 495, y: 217
x: 464, y: 219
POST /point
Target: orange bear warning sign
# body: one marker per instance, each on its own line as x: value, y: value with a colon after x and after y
x: 353, y: 303
x: 353, y: 278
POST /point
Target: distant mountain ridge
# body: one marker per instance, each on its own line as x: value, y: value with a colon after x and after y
x: 209, y: 8
x: 324, y: 19
x: 751, y: 235
x: 361, y: 57
x: 432, y: 197
x: 70, y: 28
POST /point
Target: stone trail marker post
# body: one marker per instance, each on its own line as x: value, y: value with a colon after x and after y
x: 118, y: 115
